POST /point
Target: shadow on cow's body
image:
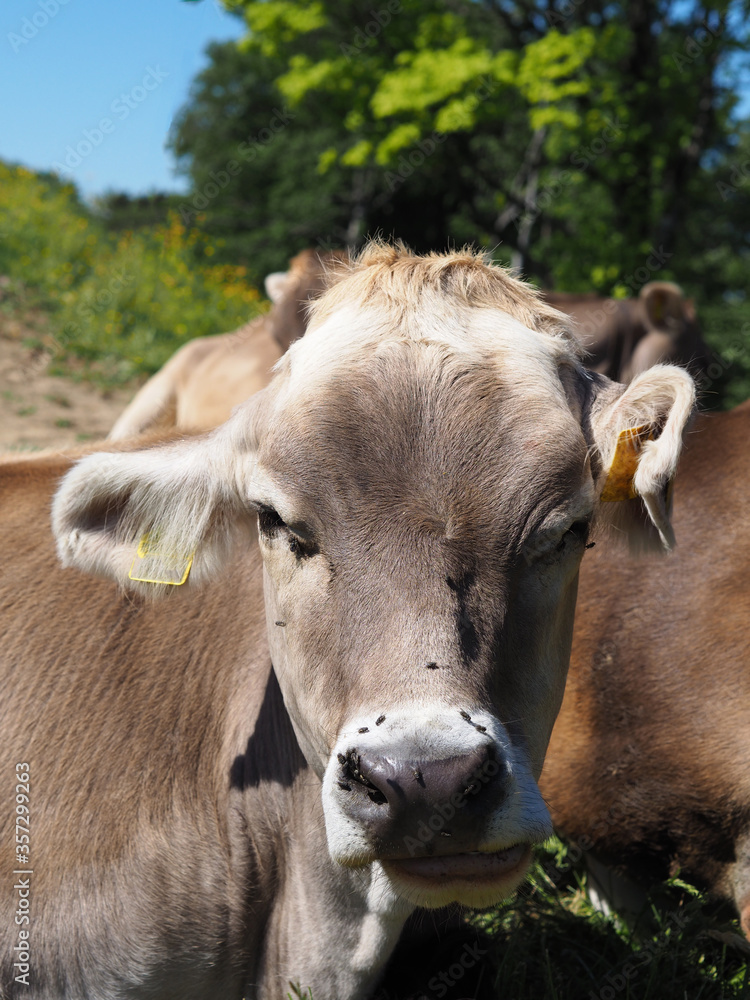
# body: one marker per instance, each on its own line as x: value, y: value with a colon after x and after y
x: 649, y: 760
x: 396, y: 523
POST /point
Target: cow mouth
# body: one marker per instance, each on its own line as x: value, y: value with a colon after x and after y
x: 476, y: 868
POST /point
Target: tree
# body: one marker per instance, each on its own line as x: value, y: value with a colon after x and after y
x: 583, y: 136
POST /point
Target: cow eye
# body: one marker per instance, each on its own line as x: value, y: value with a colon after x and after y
x: 577, y: 534
x: 549, y: 548
x: 272, y: 524
x: 270, y: 521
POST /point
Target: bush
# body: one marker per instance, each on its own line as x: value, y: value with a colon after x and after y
x: 122, y: 302
x: 147, y: 294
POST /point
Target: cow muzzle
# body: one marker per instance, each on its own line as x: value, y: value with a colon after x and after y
x: 445, y: 802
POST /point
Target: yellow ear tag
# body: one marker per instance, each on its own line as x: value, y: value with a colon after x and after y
x: 619, y: 483
x: 153, y: 565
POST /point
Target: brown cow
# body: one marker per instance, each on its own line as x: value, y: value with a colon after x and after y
x: 206, y: 378
x: 626, y: 336
x: 647, y: 763
x: 224, y: 799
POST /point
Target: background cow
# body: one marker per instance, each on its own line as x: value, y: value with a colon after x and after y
x: 627, y: 336
x: 205, y: 379
x: 205, y: 824
x: 649, y: 763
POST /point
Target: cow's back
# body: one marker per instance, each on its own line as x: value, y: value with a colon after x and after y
x: 650, y: 757
x: 238, y: 365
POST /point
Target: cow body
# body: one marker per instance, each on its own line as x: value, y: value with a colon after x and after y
x: 200, y: 385
x: 190, y: 857
x: 624, y: 337
x: 649, y: 760
x: 423, y: 472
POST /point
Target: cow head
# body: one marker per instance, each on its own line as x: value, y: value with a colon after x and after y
x: 293, y: 291
x: 425, y: 470
x: 670, y: 331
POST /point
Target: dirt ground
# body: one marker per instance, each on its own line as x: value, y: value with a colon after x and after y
x: 39, y: 410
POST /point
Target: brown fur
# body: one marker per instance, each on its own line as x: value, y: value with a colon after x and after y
x: 649, y: 761
x: 120, y: 753
x: 438, y: 504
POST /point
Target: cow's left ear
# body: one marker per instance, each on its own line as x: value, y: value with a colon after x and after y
x: 663, y: 302
x: 154, y: 518
x: 638, y: 432
x: 276, y: 285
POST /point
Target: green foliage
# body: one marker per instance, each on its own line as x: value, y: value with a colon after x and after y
x: 577, y: 136
x: 122, y: 302
x: 146, y: 294
x: 47, y: 237
x: 726, y: 328
x: 118, y: 210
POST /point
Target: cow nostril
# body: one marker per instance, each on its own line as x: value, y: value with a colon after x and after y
x: 351, y: 771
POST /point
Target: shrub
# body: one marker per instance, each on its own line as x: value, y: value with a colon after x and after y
x: 123, y: 302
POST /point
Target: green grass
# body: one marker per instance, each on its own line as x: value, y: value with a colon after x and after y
x: 552, y: 944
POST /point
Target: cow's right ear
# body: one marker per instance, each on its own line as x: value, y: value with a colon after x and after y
x: 276, y: 284
x: 153, y: 518
x: 638, y: 433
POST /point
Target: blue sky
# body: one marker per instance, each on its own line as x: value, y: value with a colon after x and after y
x: 93, y: 85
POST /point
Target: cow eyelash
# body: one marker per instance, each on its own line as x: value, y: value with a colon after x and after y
x: 545, y: 550
x: 269, y: 520
x: 578, y: 531
x: 270, y: 523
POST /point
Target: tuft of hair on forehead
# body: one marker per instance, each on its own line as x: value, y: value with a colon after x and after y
x: 391, y: 276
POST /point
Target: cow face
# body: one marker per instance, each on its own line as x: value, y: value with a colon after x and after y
x: 425, y: 470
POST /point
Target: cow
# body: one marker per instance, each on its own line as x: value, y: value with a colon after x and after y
x: 646, y: 766
x: 626, y: 336
x: 297, y: 680
x: 206, y: 378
